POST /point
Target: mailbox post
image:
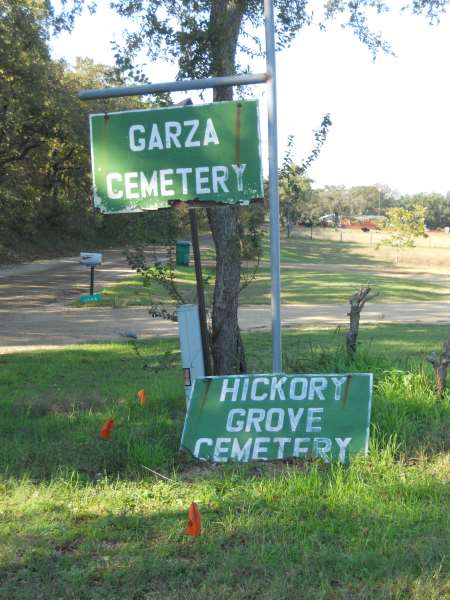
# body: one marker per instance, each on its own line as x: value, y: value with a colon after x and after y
x: 91, y: 291
x: 91, y: 259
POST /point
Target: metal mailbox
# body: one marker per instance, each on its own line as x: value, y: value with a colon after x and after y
x: 90, y: 259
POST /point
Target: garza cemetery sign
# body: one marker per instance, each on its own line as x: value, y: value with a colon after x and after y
x: 267, y: 417
x: 145, y: 159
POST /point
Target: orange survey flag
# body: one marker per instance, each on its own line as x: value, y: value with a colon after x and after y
x: 141, y: 397
x: 106, y: 430
x: 194, y: 527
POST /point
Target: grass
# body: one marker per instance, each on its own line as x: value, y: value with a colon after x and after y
x: 80, y: 518
x: 326, y: 248
x: 430, y: 254
x: 318, y: 271
x: 316, y: 287
x: 298, y: 286
x: 131, y: 292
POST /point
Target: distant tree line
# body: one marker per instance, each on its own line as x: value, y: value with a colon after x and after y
x: 437, y: 208
x: 301, y: 203
x: 45, y: 180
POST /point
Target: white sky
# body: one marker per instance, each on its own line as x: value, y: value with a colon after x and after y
x: 390, y: 118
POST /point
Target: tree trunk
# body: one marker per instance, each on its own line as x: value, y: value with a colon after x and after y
x: 441, y: 378
x: 440, y: 365
x: 357, y: 302
x: 227, y: 348
x: 352, y: 335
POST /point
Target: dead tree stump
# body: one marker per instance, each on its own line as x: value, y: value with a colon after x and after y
x: 440, y: 364
x: 357, y: 302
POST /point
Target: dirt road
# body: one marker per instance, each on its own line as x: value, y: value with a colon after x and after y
x: 34, y: 312
x: 59, y: 326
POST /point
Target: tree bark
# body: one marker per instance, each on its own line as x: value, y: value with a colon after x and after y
x: 357, y: 302
x: 227, y: 348
x: 440, y: 365
x: 223, y: 32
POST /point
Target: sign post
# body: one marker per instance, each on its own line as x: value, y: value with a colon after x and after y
x: 268, y: 417
x: 273, y: 187
x: 200, y: 292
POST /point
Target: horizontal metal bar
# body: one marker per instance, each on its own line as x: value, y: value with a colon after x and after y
x: 174, y: 86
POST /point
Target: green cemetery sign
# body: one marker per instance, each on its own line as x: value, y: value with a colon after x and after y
x: 146, y: 159
x: 267, y: 417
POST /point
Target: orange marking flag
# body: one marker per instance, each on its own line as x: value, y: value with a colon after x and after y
x: 106, y: 430
x: 141, y: 397
x: 194, y: 527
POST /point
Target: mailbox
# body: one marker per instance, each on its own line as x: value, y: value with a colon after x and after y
x: 90, y: 259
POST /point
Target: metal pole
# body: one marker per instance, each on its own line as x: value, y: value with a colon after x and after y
x: 92, y: 281
x: 174, y: 86
x: 273, y: 186
x: 200, y: 291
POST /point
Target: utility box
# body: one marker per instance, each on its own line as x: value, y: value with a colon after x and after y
x: 90, y: 259
x: 191, y: 346
x: 183, y: 250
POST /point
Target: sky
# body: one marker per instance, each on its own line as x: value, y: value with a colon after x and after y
x: 390, y: 116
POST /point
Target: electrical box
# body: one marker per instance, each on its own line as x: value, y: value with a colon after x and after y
x: 191, y: 346
x: 90, y: 259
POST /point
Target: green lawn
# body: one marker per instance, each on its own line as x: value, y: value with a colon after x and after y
x: 300, y: 248
x: 131, y: 291
x: 316, y: 287
x: 323, y: 248
x: 298, y: 286
x: 81, y: 519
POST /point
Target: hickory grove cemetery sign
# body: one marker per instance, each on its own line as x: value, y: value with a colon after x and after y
x: 267, y: 417
x: 145, y: 159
